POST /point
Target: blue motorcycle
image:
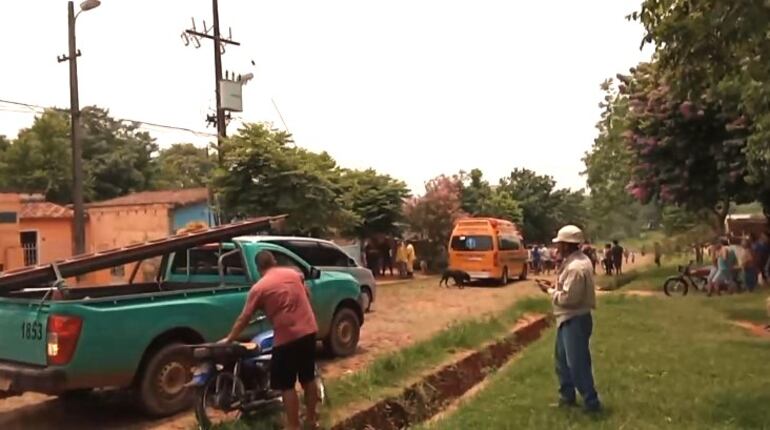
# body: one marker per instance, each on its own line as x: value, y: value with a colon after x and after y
x: 233, y: 380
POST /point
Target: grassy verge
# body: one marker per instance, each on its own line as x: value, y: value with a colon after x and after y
x: 388, y: 374
x: 660, y: 363
x: 652, y: 278
x: 610, y: 283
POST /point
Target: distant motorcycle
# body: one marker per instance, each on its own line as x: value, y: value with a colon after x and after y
x: 233, y: 381
x: 686, y: 279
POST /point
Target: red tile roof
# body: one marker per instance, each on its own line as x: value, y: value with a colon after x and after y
x: 170, y: 197
x: 43, y: 210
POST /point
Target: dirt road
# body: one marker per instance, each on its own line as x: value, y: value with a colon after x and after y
x: 403, y: 314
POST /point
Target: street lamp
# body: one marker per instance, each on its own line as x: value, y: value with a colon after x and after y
x: 77, y: 149
x: 89, y: 4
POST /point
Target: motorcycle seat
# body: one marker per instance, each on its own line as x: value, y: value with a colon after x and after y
x: 220, y: 351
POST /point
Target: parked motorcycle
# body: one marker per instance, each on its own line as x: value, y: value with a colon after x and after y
x: 686, y: 279
x: 233, y: 381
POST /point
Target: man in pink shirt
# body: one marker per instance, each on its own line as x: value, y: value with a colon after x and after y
x: 281, y: 294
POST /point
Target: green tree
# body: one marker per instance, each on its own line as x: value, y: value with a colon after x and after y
x: 474, y: 191
x: 377, y: 201
x: 264, y: 173
x: 432, y: 216
x: 500, y: 204
x: 676, y: 219
x: 570, y: 207
x: 480, y: 199
x: 613, y: 212
x: 717, y: 54
x: 118, y: 157
x: 4, y: 143
x: 544, y: 208
x: 39, y: 159
x: 533, y: 192
x: 686, y: 153
x: 183, y: 165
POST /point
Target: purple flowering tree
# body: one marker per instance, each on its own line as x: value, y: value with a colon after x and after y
x: 686, y: 153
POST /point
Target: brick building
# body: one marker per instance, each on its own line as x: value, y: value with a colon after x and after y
x: 45, y: 230
x: 140, y: 217
x: 33, y: 231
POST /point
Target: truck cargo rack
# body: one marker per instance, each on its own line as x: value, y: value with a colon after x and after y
x: 53, y: 273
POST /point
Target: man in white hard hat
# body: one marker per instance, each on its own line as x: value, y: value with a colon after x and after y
x: 573, y: 299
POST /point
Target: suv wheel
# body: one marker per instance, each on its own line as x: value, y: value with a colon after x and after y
x: 366, y: 299
x: 343, y: 336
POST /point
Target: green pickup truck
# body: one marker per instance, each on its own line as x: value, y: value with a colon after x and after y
x: 64, y: 341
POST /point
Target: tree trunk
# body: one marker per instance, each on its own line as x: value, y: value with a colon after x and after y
x: 720, y: 214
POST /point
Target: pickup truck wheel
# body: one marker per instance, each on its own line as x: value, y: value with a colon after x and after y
x: 366, y: 299
x: 162, y: 389
x: 78, y: 395
x: 344, y: 334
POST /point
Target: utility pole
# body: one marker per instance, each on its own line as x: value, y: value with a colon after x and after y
x: 213, y: 33
x: 79, y: 226
x: 221, y: 127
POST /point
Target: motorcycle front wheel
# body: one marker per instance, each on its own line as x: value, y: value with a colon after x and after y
x: 675, y: 286
x: 218, y: 401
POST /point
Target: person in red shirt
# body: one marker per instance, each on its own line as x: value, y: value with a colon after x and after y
x: 281, y: 294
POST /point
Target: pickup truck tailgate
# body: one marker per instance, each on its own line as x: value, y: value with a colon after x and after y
x: 23, y: 332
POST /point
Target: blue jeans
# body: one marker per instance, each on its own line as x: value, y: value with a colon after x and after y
x: 573, y: 361
x: 750, y: 278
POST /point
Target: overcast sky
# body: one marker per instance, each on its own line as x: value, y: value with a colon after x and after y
x: 412, y: 88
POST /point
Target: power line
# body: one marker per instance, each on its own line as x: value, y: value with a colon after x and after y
x: 275, y: 105
x: 40, y: 109
x: 14, y: 110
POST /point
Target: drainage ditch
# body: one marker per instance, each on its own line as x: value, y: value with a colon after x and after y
x: 437, y: 391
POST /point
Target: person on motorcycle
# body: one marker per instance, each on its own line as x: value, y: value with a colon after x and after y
x: 282, y: 296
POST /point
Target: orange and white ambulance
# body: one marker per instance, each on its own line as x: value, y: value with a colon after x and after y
x: 488, y: 248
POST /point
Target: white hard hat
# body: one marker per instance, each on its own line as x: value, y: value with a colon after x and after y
x: 569, y: 234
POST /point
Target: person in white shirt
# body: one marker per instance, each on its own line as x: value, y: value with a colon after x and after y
x: 545, y: 256
x: 573, y: 300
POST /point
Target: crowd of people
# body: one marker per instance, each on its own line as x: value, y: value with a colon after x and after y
x: 614, y: 256
x: 545, y: 260
x: 738, y: 264
x: 384, y: 255
x: 542, y: 259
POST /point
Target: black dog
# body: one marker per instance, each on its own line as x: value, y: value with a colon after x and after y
x: 460, y: 278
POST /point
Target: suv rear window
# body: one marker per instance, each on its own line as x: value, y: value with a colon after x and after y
x: 472, y: 243
x: 305, y: 249
x: 331, y: 256
x: 206, y: 262
x: 315, y: 253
